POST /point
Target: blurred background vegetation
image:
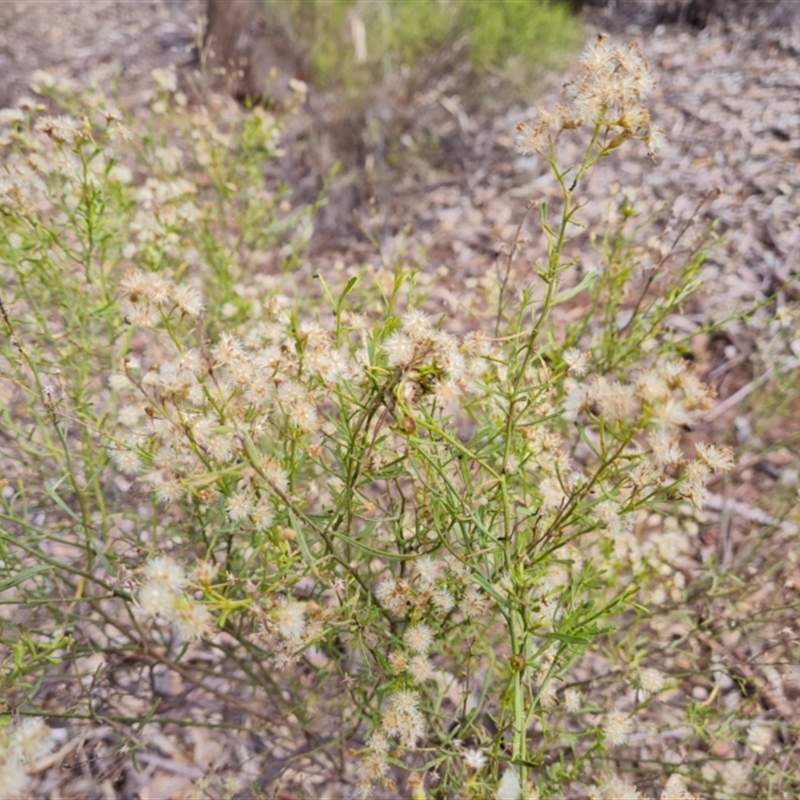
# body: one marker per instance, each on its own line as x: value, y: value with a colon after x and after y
x: 361, y: 45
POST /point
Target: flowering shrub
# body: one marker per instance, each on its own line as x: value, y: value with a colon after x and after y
x: 433, y: 536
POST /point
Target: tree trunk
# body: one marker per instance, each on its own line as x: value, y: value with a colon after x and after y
x: 247, y: 53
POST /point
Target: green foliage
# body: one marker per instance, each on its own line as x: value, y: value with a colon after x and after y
x: 536, y: 36
x: 424, y: 39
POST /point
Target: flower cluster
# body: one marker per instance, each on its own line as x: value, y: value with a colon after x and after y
x: 607, y: 96
x: 287, y: 627
x: 374, y: 765
x: 164, y: 594
x: 617, y: 727
x: 152, y: 296
x: 616, y: 788
x: 437, y: 586
x: 20, y: 746
x: 433, y: 361
x: 662, y: 401
x: 402, y: 720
